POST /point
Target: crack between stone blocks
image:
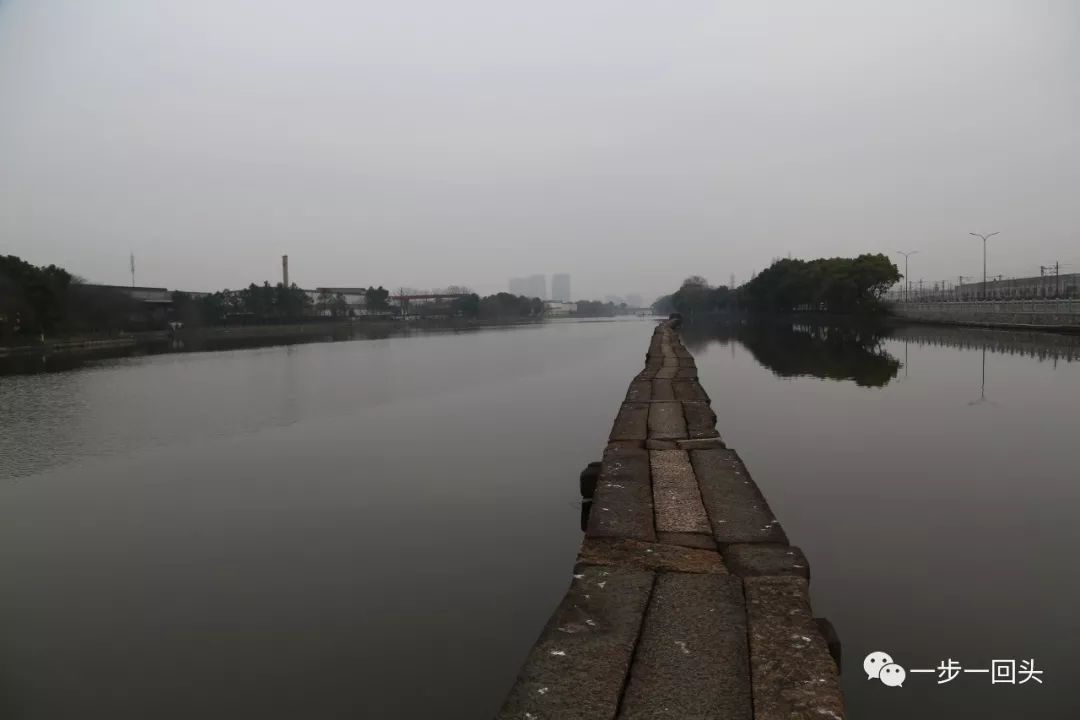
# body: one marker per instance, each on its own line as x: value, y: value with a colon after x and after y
x: 637, y: 645
x: 749, y: 652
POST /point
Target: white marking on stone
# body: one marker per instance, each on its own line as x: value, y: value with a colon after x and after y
x: 829, y: 713
x: 578, y: 576
x: 601, y: 584
x: 560, y: 653
x: 542, y: 691
x: 682, y: 646
x: 800, y: 640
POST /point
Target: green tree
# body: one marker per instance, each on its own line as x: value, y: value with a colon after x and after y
x: 291, y: 302
x: 377, y: 299
x: 32, y: 299
x: 826, y: 284
x: 467, y: 306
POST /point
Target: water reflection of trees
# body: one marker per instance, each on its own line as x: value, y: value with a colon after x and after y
x: 789, y: 349
x: 194, y: 342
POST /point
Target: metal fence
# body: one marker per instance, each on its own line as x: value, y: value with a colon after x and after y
x: 1028, y: 288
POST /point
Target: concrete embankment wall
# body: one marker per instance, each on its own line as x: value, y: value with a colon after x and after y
x: 687, y: 600
x: 1040, y: 314
x: 72, y: 345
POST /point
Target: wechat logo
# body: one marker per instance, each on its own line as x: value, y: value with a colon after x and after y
x: 880, y: 666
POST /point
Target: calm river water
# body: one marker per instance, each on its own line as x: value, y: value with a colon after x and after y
x: 379, y: 528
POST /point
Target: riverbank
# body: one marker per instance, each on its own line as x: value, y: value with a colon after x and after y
x: 191, y: 338
x: 1061, y: 316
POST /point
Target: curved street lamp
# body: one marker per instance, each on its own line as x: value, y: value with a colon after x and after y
x: 907, y: 278
x: 984, y: 238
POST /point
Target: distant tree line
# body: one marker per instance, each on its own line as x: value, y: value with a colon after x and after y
x: 829, y: 285
x: 268, y: 303
x: 500, y: 306
x: 49, y: 300
x: 255, y: 302
x: 33, y: 299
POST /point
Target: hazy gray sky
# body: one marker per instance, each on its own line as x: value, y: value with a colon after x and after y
x: 629, y: 143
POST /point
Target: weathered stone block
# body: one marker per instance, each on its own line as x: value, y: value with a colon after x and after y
x: 700, y: 443
x: 690, y: 391
x: 662, y: 391
x: 675, y: 493
x: 639, y: 391
x: 700, y: 420
x: 650, y: 556
x: 737, y: 510
x: 666, y: 421
x: 577, y: 668
x: 793, y: 674
x: 631, y: 423
x: 764, y: 559
x: 692, y: 660
x: 695, y: 540
x: 622, y: 503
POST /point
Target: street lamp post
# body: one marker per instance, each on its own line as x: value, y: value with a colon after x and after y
x: 907, y: 282
x: 984, y: 238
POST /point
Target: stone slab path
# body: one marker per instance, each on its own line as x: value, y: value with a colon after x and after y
x: 687, y: 600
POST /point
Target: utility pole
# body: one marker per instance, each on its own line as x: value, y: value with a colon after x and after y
x: 132, y: 269
x: 907, y: 281
x: 984, y: 239
x: 1045, y: 270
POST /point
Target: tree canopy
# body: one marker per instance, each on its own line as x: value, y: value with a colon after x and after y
x: 834, y: 285
x: 826, y: 284
x: 33, y: 299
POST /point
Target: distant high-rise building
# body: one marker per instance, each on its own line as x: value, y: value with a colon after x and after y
x: 560, y: 287
x: 634, y: 300
x: 530, y: 287
x: 537, y: 286
x: 614, y: 299
x: 519, y: 286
